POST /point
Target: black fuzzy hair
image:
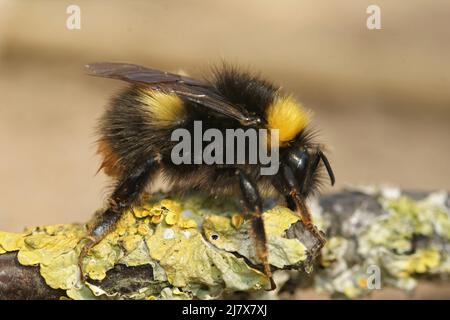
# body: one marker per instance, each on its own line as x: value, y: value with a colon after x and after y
x: 243, y: 88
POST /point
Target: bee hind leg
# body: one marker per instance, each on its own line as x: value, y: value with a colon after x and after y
x: 125, y: 195
x: 103, y: 224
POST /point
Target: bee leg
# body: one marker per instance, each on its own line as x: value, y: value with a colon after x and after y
x: 287, y: 183
x: 302, y: 210
x: 253, y: 204
x: 124, y: 196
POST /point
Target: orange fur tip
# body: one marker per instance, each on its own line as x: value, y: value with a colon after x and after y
x: 110, y: 159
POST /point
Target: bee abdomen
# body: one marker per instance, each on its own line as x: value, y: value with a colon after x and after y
x: 137, y: 125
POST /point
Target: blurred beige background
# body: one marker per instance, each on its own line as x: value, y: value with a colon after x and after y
x: 381, y: 98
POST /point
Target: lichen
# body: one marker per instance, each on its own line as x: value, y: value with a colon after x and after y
x: 10, y: 241
x: 192, y: 247
x: 390, y: 243
x: 221, y: 231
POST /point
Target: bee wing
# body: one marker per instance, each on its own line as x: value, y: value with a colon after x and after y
x: 136, y: 73
x: 190, y: 89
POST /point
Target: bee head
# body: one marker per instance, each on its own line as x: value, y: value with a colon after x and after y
x: 301, y: 164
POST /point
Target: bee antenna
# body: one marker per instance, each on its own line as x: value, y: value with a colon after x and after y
x: 328, y: 167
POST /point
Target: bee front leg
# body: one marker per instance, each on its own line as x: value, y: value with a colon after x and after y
x: 253, y: 204
x: 288, y: 185
x: 297, y: 204
x: 125, y: 195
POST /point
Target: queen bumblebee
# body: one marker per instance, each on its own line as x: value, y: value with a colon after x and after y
x: 135, y: 142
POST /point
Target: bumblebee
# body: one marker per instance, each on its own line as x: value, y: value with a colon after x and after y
x: 135, y: 143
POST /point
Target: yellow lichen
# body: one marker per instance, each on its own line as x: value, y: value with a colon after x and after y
x: 407, y: 240
x: 157, y: 218
x: 184, y: 262
x: 237, y: 220
x: 10, y: 241
x: 63, y: 272
x: 282, y: 251
x: 175, y: 250
x: 419, y: 262
x: 132, y: 230
x: 187, y: 223
x: 351, y: 292
x: 171, y: 218
x: 130, y: 242
x: 141, y: 212
x: 42, y: 248
x: 407, y: 218
x: 362, y: 282
x: 143, y: 229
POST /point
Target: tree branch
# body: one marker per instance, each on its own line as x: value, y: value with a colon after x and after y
x: 406, y: 235
x: 183, y: 248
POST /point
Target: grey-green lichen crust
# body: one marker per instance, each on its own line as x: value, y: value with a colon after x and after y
x: 404, y: 238
x: 176, y: 248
